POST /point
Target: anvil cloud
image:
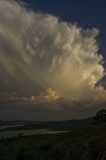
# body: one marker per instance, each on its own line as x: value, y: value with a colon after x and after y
x: 39, y: 51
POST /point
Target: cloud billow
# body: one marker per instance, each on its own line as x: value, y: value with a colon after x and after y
x: 38, y: 51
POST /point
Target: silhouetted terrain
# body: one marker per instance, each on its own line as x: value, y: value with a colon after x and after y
x: 100, y: 116
x: 58, y: 125
x: 80, y: 144
x: 86, y: 140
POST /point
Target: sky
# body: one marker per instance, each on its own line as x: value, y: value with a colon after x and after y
x: 52, y: 59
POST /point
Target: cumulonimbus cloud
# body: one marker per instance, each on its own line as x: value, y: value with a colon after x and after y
x: 38, y: 51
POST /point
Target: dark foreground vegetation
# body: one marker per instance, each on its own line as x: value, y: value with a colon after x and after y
x: 79, y: 144
x: 86, y: 140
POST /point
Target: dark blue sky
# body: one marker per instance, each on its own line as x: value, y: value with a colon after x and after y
x: 87, y: 13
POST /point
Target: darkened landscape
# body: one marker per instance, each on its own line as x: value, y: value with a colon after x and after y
x: 84, y: 141
x: 87, y: 144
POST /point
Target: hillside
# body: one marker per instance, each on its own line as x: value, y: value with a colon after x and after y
x: 79, y: 144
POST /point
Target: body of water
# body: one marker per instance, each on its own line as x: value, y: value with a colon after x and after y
x: 15, y: 133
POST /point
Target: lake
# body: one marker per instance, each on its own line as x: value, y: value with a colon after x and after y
x: 15, y: 133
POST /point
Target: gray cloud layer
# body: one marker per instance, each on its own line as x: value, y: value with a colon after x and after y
x: 38, y: 51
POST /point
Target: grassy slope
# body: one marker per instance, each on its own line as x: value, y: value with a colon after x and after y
x: 80, y: 144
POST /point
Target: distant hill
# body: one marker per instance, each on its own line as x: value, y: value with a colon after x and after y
x: 57, y: 125
x: 16, y: 122
x: 99, y: 118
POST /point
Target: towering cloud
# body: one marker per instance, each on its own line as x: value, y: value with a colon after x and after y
x: 38, y: 51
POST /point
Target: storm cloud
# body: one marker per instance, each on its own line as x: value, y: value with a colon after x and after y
x: 39, y: 51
